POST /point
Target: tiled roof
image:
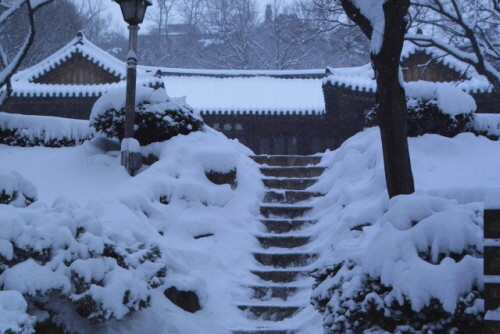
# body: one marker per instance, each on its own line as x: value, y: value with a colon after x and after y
x: 248, y: 95
x: 23, y: 82
x: 362, y: 78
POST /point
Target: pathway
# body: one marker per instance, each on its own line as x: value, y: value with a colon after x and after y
x: 279, y: 299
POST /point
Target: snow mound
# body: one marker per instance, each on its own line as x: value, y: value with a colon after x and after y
x: 158, y: 98
x: 411, y: 263
x: 28, y: 130
x: 13, y: 316
x: 451, y: 100
x: 16, y: 190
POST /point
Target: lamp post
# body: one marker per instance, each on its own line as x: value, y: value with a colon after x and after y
x: 133, y: 13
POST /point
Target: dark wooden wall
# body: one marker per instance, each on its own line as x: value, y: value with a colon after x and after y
x: 421, y: 66
x: 77, y: 70
x: 68, y: 107
x: 277, y: 134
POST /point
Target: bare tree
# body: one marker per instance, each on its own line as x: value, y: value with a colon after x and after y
x: 346, y: 43
x: 232, y: 24
x: 286, y: 40
x: 465, y: 29
x: 9, y: 65
x: 386, y: 28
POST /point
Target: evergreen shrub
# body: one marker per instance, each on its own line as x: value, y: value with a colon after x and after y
x: 425, y: 116
x: 157, y: 118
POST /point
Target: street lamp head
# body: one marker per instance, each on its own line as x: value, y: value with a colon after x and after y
x: 134, y: 10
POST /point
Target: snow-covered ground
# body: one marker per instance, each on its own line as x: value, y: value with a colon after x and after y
x: 171, y: 202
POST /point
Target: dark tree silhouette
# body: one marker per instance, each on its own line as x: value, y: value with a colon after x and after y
x: 390, y: 95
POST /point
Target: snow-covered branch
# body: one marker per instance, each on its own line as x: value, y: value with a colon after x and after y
x: 467, y: 30
x: 9, y: 67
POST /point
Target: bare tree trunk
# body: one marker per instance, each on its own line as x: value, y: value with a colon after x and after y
x: 392, y: 111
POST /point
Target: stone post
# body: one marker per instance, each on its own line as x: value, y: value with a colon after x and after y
x: 492, y: 263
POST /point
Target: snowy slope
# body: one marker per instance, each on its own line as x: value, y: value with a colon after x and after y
x: 452, y: 177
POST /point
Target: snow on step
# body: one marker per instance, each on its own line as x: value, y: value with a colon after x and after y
x: 270, y: 313
x: 289, y: 183
x: 282, y: 283
x: 283, y: 241
x: 285, y: 260
x: 300, y: 172
x: 266, y: 331
x: 288, y: 196
x: 281, y: 226
x: 284, y: 211
x: 286, y: 160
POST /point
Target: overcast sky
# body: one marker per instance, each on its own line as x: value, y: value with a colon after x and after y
x: 113, y: 8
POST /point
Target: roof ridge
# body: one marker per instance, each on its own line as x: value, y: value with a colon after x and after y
x: 80, y: 45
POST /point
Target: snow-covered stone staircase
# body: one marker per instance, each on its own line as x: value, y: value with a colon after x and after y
x: 282, y: 287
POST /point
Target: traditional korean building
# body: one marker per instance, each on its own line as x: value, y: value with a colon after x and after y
x: 278, y: 112
x: 67, y: 83
x: 272, y: 112
x: 350, y: 92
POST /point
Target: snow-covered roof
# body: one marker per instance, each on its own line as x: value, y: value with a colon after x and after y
x: 207, y: 91
x: 362, y: 78
x: 255, y: 94
x: 356, y: 78
x: 23, y: 82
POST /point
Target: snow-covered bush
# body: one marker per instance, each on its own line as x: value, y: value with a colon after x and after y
x: 24, y: 130
x: 446, y: 111
x: 13, y: 316
x: 16, y: 190
x: 59, y: 259
x: 487, y: 125
x: 421, y: 273
x: 410, y: 264
x: 158, y: 117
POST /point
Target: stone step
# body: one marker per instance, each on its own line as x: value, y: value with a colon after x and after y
x: 270, y: 313
x: 266, y: 331
x: 292, y: 171
x: 289, y: 196
x: 280, y: 226
x: 268, y: 292
x: 283, y: 211
x: 286, y: 260
x: 286, y: 160
x: 283, y: 241
x: 289, y: 183
x: 280, y: 276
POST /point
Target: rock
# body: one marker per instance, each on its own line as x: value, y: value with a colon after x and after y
x: 186, y: 300
x: 222, y: 178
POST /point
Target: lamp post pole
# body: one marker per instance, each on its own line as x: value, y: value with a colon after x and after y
x: 131, y: 82
x: 131, y: 157
x: 133, y: 13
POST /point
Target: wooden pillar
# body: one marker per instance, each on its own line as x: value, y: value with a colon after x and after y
x: 492, y: 263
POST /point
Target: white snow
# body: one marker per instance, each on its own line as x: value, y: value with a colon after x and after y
x: 130, y: 144
x: 46, y: 127
x: 87, y: 203
x: 450, y: 99
x: 386, y: 239
x: 373, y: 11
x: 489, y: 124
x: 13, y: 314
x: 248, y: 95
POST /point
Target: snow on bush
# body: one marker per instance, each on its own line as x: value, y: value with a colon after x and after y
x: 16, y: 190
x: 60, y: 256
x: 13, y: 316
x: 411, y: 264
x: 487, y: 125
x: 78, y: 267
x: 24, y: 130
x: 437, y: 108
x: 158, y: 117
